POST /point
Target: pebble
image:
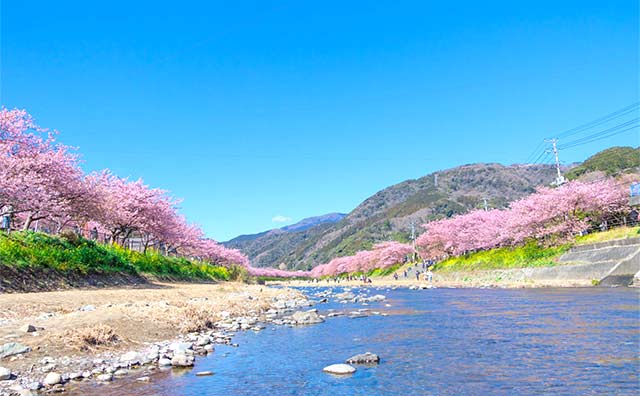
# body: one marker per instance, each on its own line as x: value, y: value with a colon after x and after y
x: 52, y: 379
x: 28, y: 328
x: 105, y: 377
x: 34, y: 386
x: 5, y: 374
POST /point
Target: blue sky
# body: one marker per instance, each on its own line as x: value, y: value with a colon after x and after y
x: 253, y: 110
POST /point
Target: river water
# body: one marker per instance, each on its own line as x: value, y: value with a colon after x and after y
x: 433, y: 342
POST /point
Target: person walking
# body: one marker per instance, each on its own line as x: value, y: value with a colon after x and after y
x: 5, y: 222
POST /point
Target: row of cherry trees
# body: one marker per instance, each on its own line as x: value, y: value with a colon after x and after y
x: 383, y: 255
x: 41, y: 183
x: 550, y: 215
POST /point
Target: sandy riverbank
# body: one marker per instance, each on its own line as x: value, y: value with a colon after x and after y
x: 123, y: 319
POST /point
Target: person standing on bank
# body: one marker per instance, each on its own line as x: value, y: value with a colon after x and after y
x: 5, y: 222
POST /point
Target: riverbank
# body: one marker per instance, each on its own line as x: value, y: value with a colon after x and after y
x: 34, y: 261
x: 481, y: 279
x: 76, y: 332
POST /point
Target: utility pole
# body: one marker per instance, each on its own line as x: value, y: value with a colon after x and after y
x: 435, y: 179
x: 559, y: 178
x: 413, y: 233
x: 486, y: 208
x: 413, y: 237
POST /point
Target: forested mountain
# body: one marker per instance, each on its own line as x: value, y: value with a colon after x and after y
x: 388, y: 214
x: 610, y: 161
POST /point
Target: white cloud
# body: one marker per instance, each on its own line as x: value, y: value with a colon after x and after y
x: 281, y: 219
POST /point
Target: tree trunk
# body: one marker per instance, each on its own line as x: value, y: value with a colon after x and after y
x: 27, y: 222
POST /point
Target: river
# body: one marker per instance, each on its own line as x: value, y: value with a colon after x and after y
x: 432, y: 342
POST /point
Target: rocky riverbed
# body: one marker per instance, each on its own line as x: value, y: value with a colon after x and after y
x: 50, y: 341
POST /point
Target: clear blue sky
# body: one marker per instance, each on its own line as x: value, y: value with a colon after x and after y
x: 251, y: 110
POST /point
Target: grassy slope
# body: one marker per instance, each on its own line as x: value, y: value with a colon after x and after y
x: 75, y: 254
x: 610, y: 161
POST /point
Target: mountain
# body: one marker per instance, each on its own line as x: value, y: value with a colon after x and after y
x: 388, y: 214
x: 265, y: 248
x: 611, y: 161
x: 309, y: 222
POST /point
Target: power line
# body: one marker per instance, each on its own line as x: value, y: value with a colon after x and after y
x: 616, y: 130
x: 618, y: 113
x: 585, y: 128
x: 535, y: 151
x: 606, y: 136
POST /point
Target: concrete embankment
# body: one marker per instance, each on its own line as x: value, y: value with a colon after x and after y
x: 612, y: 263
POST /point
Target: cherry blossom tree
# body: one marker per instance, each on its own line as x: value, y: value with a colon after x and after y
x: 550, y: 215
x: 39, y: 178
x: 383, y: 255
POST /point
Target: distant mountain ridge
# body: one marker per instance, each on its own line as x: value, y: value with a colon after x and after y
x: 302, y: 225
x: 309, y: 222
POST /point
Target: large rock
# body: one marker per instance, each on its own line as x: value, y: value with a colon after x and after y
x: 306, y: 317
x: 377, y: 297
x: 130, y: 357
x: 339, y: 369
x: 52, y: 379
x: 5, y: 374
x: 345, y: 296
x: 180, y: 347
x: 183, y: 360
x: 28, y: 328
x: 364, y: 358
x: 13, y: 348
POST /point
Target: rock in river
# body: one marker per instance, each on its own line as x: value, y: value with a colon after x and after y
x: 340, y: 369
x: 183, y: 360
x: 306, y: 317
x: 364, y: 358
